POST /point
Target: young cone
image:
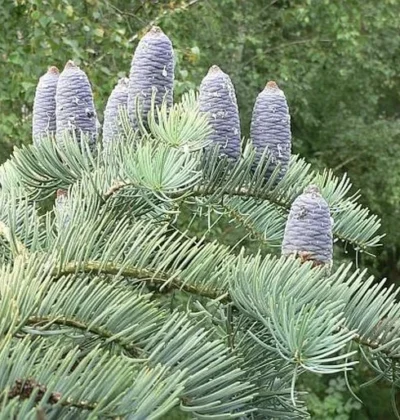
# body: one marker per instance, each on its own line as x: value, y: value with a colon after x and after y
x: 270, y: 127
x: 152, y: 74
x: 44, y: 105
x: 75, y: 110
x: 308, y: 232
x: 218, y: 99
x: 62, y: 208
x: 117, y: 100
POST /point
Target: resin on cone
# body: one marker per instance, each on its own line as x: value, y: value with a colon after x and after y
x: 44, y: 106
x: 218, y: 99
x: 270, y: 127
x: 75, y: 111
x: 308, y: 232
x: 151, y: 76
x: 117, y: 101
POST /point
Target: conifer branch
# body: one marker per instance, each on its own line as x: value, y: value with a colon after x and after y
x: 33, y: 321
x: 374, y: 345
x: 24, y: 388
x: 242, y: 220
x: 162, y: 278
x: 150, y: 276
x: 202, y: 191
x: 116, y: 188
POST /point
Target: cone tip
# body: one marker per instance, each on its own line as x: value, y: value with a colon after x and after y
x: 61, y: 193
x: 312, y: 189
x: 271, y: 85
x: 70, y: 65
x: 214, y: 69
x: 155, y: 30
x: 53, y: 70
x: 123, y: 81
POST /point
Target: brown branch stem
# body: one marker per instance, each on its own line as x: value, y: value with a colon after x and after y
x: 200, y: 191
x: 152, y: 276
x: 23, y: 388
x: 79, y: 325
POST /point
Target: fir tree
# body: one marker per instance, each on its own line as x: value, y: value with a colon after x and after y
x: 111, y: 308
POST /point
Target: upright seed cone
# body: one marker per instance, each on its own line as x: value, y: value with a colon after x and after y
x: 75, y: 110
x: 117, y: 100
x: 270, y: 127
x: 44, y: 106
x: 152, y: 73
x: 308, y: 232
x: 63, y: 208
x: 218, y: 99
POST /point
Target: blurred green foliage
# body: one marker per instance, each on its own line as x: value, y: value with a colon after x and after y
x: 330, y: 401
x: 337, y: 62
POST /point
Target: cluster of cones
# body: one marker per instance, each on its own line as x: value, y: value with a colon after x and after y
x: 64, y: 104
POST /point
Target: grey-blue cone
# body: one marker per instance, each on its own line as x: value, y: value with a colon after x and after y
x: 75, y: 111
x: 308, y: 232
x: 218, y: 99
x: 44, y: 106
x: 117, y: 101
x: 270, y: 127
x: 152, y: 73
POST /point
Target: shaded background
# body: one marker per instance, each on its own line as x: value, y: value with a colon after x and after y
x: 337, y: 61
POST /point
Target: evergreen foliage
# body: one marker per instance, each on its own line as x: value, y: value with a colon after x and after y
x: 109, y: 310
